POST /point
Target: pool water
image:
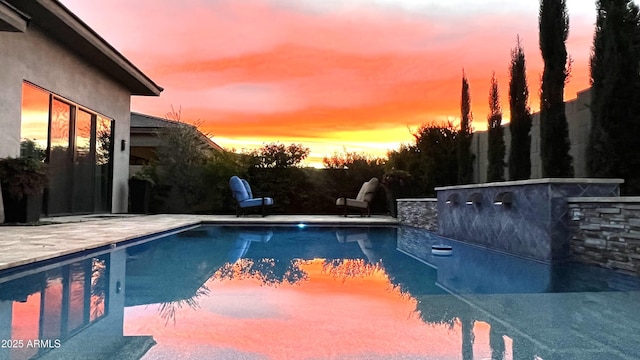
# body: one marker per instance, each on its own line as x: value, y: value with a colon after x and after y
x: 243, y: 292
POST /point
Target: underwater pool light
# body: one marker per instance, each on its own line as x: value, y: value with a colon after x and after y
x: 302, y: 225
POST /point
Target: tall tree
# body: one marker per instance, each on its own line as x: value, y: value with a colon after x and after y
x: 554, y: 130
x: 520, y: 125
x: 614, y: 149
x: 496, y: 151
x: 465, y: 158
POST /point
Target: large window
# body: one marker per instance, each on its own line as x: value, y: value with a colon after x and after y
x: 76, y: 143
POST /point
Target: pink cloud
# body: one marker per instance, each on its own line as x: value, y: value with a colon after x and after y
x: 276, y: 63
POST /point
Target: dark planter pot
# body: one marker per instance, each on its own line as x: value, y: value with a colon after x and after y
x: 394, y: 193
x: 139, y: 196
x: 391, y: 204
x: 25, y: 210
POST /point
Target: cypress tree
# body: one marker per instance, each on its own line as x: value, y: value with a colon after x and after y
x: 614, y: 149
x: 496, y: 151
x: 554, y: 130
x: 465, y: 158
x: 520, y: 126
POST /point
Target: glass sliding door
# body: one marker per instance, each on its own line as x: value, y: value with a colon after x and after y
x: 103, y: 164
x: 60, y: 159
x: 83, y: 163
x: 77, y: 145
x: 34, y: 131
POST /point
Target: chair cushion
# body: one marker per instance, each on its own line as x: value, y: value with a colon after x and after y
x: 238, y: 189
x: 370, y: 189
x: 247, y: 187
x: 255, y: 202
x: 363, y: 190
x: 352, y: 203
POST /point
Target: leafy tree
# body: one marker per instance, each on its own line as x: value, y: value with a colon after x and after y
x: 437, y: 146
x: 520, y: 126
x: 496, y: 151
x: 465, y: 136
x: 217, y: 172
x: 182, y: 153
x: 351, y: 160
x: 554, y: 129
x: 431, y: 160
x: 614, y: 149
x: 31, y: 149
x: 279, y: 156
x: 275, y: 172
x: 410, y: 159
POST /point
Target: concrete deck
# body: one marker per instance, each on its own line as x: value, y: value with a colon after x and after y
x: 21, y: 245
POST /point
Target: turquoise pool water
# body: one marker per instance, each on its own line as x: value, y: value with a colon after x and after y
x: 229, y: 292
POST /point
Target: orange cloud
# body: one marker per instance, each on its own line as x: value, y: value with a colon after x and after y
x: 281, y: 69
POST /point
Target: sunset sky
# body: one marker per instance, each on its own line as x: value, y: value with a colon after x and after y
x: 332, y: 75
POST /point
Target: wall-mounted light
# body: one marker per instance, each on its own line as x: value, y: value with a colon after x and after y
x: 453, y: 199
x: 474, y: 199
x: 503, y: 198
x: 123, y: 144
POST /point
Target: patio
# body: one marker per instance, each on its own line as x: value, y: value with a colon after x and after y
x: 67, y: 235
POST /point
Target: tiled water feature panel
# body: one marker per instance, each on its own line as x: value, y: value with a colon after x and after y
x: 422, y: 213
x: 532, y: 220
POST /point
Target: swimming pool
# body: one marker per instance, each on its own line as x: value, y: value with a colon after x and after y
x: 246, y: 292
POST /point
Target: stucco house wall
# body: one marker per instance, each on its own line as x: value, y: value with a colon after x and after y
x: 90, y: 74
x: 38, y: 60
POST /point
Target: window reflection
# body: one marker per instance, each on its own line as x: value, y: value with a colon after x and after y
x: 77, y: 145
x: 83, y: 135
x: 98, y: 288
x: 25, y: 324
x: 104, y: 140
x: 76, y: 297
x: 60, y: 118
x: 34, y: 122
x: 55, y: 304
x: 52, y: 309
x: 103, y: 172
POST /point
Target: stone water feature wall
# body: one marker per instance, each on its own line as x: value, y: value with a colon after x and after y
x: 527, y: 218
x: 421, y: 213
x: 606, y: 232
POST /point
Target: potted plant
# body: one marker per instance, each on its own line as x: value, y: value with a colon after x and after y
x: 140, y: 187
x: 23, y: 181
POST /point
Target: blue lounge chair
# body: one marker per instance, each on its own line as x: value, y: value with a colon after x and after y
x: 245, y: 238
x: 244, y: 197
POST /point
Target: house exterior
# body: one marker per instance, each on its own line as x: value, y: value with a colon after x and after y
x: 144, y: 139
x: 65, y: 95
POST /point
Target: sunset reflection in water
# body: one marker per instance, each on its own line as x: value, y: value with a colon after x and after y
x: 346, y: 308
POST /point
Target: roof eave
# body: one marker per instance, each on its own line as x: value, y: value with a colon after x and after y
x: 11, y: 19
x: 60, y: 23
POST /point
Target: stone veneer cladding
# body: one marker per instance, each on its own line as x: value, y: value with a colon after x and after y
x: 421, y: 213
x: 606, y: 232
x: 534, y: 226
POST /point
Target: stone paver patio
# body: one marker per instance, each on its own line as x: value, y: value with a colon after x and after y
x: 21, y: 245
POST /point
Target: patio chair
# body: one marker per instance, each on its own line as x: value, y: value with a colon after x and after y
x: 362, y: 201
x: 244, y: 197
x: 245, y: 238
